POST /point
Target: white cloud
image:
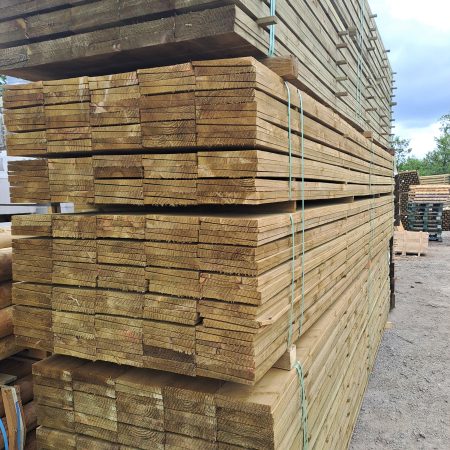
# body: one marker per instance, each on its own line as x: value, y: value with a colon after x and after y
x: 422, y: 138
x: 432, y: 16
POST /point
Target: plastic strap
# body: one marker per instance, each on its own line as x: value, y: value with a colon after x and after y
x: 360, y: 60
x: 297, y: 365
x: 19, y: 426
x: 273, y: 8
x: 289, y: 138
x: 304, y: 404
x: 291, y: 311
x: 302, y: 162
x: 5, y: 436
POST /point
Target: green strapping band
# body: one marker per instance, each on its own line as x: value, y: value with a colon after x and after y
x: 273, y: 11
x: 289, y: 138
x: 297, y: 365
x: 302, y: 128
x: 304, y: 404
x: 360, y: 60
x: 291, y: 311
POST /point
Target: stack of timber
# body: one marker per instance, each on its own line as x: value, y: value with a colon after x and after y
x: 406, y: 180
x: 104, y: 406
x: 426, y: 217
x: 433, y: 193
x: 338, y: 53
x: 435, y: 179
x: 189, y: 253
x: 436, y: 193
x: 169, y: 290
x: 17, y: 371
x: 7, y: 342
x: 190, y: 134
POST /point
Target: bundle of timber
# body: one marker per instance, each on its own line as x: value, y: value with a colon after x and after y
x: 16, y: 371
x: 339, y: 56
x: 435, y: 179
x: 7, y: 343
x: 208, y: 132
x: 168, y: 290
x: 410, y: 242
x: 104, y: 406
x: 430, y: 193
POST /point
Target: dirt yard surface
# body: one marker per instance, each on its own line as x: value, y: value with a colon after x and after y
x: 407, y: 403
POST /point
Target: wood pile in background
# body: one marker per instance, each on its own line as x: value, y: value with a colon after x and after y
x: 446, y: 220
x: 435, y: 179
x: 432, y: 193
x: 340, y: 56
x: 406, y: 179
x: 98, y: 405
x: 196, y: 133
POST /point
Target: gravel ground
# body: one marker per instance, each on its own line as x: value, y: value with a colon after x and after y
x: 407, y: 403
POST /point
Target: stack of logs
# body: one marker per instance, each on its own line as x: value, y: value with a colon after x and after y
x: 406, y: 180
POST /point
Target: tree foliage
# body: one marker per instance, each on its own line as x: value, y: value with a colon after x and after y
x: 2, y: 82
x: 402, y: 149
x: 435, y: 162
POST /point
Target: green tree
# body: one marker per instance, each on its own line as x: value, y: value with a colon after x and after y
x: 402, y: 149
x: 435, y: 162
x: 2, y: 82
x: 438, y: 160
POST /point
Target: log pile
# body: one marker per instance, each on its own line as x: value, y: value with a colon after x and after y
x: 406, y: 180
x: 177, y: 112
x: 340, y: 57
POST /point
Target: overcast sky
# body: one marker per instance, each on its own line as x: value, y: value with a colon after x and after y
x: 418, y: 35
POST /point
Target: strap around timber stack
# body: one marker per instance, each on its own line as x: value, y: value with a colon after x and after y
x: 360, y: 60
x: 289, y: 138
x: 303, y: 403
x: 273, y: 11
x: 4, y: 435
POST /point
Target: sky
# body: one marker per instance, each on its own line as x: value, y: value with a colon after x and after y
x: 418, y: 35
